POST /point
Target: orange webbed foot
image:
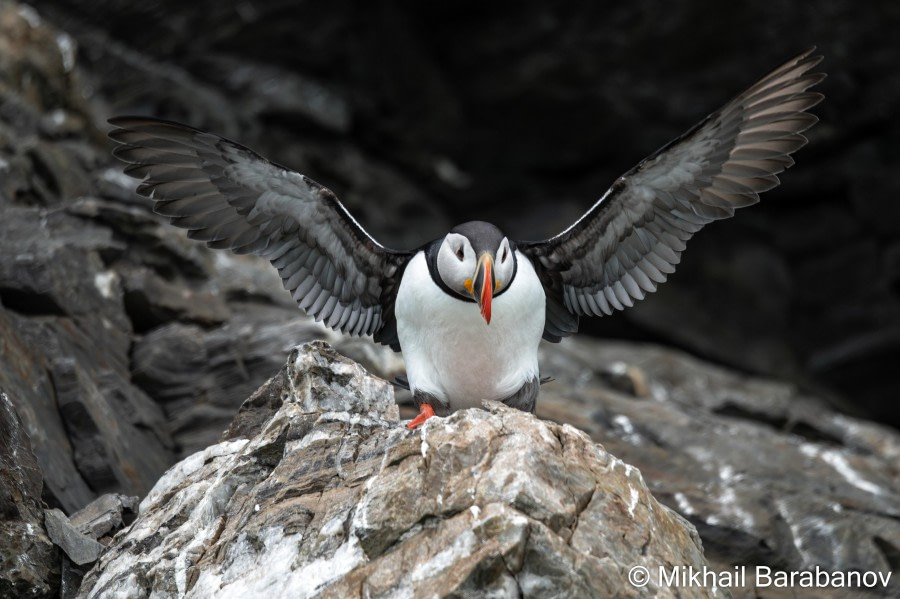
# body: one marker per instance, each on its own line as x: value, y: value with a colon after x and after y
x: 425, y: 412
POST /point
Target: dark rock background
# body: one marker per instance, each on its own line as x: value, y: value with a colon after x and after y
x: 124, y: 346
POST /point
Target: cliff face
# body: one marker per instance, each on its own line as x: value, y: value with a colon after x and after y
x: 328, y: 494
x: 29, y: 563
x: 125, y: 348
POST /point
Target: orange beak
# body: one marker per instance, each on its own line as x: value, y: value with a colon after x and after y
x: 484, y: 285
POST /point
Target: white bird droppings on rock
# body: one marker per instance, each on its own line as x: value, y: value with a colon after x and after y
x: 330, y: 494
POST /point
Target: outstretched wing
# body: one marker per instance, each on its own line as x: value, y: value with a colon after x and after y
x: 632, y: 238
x: 230, y: 197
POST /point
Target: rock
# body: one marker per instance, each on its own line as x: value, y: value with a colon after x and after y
x: 152, y: 301
x: 65, y: 329
x: 23, y: 373
x: 80, y: 548
x: 329, y: 493
x: 29, y: 564
x: 76, y: 536
x: 767, y: 473
x: 620, y: 376
x: 77, y: 403
x: 201, y: 376
x: 288, y: 94
x: 104, y: 516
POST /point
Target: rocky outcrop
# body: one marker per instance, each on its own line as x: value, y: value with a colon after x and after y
x: 29, y: 563
x: 767, y: 473
x: 327, y: 493
x: 124, y: 346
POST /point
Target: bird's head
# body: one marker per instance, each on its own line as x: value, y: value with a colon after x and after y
x: 476, y: 261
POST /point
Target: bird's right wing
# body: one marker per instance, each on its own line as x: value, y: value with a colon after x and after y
x: 230, y: 197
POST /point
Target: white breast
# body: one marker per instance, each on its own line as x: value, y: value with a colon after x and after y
x: 452, y: 353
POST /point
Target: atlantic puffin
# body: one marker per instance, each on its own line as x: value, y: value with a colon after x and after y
x: 468, y: 310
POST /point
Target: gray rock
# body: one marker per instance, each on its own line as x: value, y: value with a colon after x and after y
x: 151, y: 301
x: 23, y: 372
x: 29, y: 563
x: 767, y: 473
x: 331, y: 494
x: 80, y: 548
x: 201, y: 376
x: 105, y: 515
x: 65, y: 359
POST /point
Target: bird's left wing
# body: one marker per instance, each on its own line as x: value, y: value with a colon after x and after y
x: 632, y: 238
x: 230, y: 197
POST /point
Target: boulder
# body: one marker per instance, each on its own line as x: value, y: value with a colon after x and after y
x: 326, y: 492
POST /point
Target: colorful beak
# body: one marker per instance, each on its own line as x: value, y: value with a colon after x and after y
x: 484, y: 285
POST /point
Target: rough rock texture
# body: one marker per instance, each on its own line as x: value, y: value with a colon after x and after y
x: 331, y: 494
x: 78, y: 536
x: 104, y: 516
x: 79, y: 547
x: 124, y: 346
x: 766, y: 472
x: 29, y: 564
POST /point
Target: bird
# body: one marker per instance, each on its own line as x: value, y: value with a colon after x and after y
x: 469, y: 310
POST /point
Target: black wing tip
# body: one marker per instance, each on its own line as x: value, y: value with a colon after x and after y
x: 809, y: 53
x: 124, y: 124
x: 128, y: 122
x: 135, y: 120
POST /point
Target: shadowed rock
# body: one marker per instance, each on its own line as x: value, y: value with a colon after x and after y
x: 29, y: 563
x: 331, y: 494
x: 767, y: 473
x: 105, y: 515
x: 80, y: 548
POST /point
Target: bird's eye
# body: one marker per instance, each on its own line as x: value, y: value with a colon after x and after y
x: 503, y: 255
x: 460, y: 253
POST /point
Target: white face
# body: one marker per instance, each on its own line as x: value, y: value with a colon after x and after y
x: 457, y: 264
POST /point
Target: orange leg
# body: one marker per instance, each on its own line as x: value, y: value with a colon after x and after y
x: 425, y: 412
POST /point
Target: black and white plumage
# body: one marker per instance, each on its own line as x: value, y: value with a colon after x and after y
x: 469, y: 310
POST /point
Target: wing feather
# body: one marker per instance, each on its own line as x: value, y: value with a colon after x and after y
x: 232, y: 198
x: 632, y: 238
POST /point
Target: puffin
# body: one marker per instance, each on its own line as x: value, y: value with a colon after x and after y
x: 469, y: 310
